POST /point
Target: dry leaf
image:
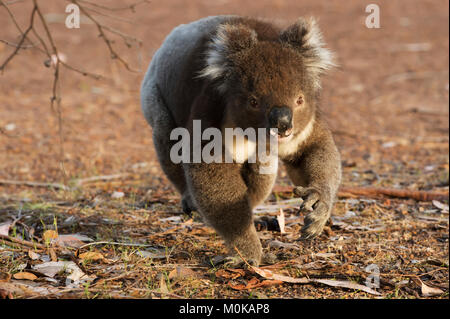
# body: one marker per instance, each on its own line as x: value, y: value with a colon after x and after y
x: 346, y: 284
x: 279, y: 244
x: 334, y: 283
x: 255, y: 283
x: 268, y: 283
x: 4, y: 294
x: 325, y: 255
x: 182, y: 272
x: 91, y: 255
x: 22, y: 289
x: 201, y: 231
x: 117, y: 195
x: 270, y: 275
x: 4, y: 228
x: 69, y: 241
x: 51, y: 268
x: 151, y: 255
x: 5, y: 277
x: 281, y: 221
x: 52, y: 253
x: 440, y: 205
x: 172, y: 219
x: 33, y: 255
x: 7, y: 289
x: 428, y: 291
x: 227, y: 274
x: 163, y: 286
x: 25, y: 275
x: 293, y: 203
x: 77, y: 274
x: 238, y: 270
x: 49, y: 235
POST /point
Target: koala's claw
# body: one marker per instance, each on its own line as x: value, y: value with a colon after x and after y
x: 237, y: 262
x: 187, y: 206
x: 266, y: 223
x: 318, y: 211
x: 315, y: 221
x: 309, y: 195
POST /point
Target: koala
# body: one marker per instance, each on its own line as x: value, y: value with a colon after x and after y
x: 240, y: 72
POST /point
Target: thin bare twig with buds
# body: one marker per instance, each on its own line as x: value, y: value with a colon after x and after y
x: 46, y: 45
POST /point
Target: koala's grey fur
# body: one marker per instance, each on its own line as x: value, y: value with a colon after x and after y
x: 208, y: 70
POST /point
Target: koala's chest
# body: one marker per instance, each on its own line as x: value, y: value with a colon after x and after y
x: 242, y: 150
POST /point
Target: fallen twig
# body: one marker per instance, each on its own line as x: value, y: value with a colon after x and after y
x: 33, y: 184
x: 127, y: 7
x: 22, y: 242
x: 108, y: 42
x: 392, y: 192
x: 23, y: 37
x: 380, y: 191
x: 82, y: 181
x: 267, y: 274
x: 114, y: 243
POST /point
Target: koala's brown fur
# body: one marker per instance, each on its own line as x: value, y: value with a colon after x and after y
x: 230, y: 71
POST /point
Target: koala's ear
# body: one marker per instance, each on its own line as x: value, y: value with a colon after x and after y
x: 228, y: 40
x: 305, y: 37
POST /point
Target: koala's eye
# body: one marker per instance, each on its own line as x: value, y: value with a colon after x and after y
x: 253, y: 102
x: 300, y: 100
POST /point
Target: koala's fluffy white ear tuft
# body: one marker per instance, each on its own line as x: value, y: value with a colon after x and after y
x: 229, y: 39
x: 306, y: 37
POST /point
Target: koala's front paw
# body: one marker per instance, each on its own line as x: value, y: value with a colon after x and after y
x: 319, y: 210
x: 187, y: 205
x: 237, y: 262
x: 266, y: 223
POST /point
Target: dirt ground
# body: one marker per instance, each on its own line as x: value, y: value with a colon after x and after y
x: 387, y: 104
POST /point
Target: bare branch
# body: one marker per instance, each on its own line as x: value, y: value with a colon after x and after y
x: 14, y: 2
x: 56, y: 97
x: 33, y: 184
x: 22, y: 39
x: 11, y: 15
x: 107, y: 41
x: 15, y: 45
x: 108, y: 15
x: 128, y: 7
x: 64, y: 64
x: 47, y: 46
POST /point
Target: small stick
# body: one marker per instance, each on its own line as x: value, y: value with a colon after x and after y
x: 130, y: 7
x: 33, y: 184
x: 22, y: 242
x: 392, y: 192
x: 100, y: 178
x: 378, y: 191
x: 114, y: 243
x: 243, y: 259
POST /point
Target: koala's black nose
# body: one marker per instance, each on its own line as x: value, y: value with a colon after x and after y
x: 280, y: 118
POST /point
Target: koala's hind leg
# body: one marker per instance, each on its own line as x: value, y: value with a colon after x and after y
x: 221, y: 196
x: 161, y: 120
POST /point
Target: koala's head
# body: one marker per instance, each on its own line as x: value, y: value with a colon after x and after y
x: 268, y: 83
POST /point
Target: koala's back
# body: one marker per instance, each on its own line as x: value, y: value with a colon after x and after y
x: 174, y: 67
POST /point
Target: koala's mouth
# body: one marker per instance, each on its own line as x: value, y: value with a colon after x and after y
x: 282, y: 136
